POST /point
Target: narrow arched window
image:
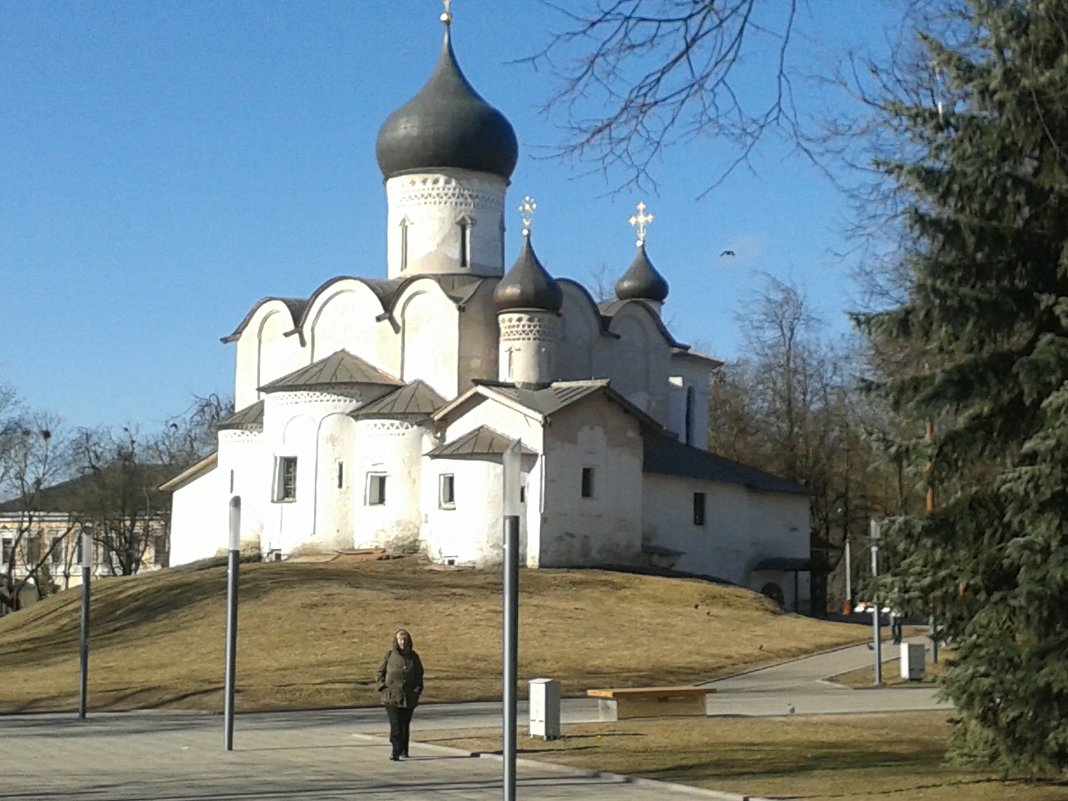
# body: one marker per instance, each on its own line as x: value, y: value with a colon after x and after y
x: 404, y: 225
x: 465, y: 225
x: 691, y: 403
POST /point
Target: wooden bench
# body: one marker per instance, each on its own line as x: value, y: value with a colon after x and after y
x: 650, y: 702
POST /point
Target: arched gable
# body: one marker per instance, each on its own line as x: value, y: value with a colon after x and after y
x: 265, y: 350
x: 579, y: 328
x: 346, y: 314
x: 637, y: 358
x: 429, y: 330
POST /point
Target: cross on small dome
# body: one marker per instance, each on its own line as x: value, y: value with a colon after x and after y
x: 639, y: 221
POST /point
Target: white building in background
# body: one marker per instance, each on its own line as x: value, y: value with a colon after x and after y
x: 374, y: 413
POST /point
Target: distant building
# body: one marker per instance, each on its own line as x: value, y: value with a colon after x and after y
x: 375, y: 412
x: 45, y: 532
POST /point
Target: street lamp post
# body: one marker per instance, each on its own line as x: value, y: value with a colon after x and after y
x: 876, y: 622
x: 231, y: 618
x: 510, y: 470
x: 87, y: 569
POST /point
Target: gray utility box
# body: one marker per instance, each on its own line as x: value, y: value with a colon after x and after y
x: 545, y: 708
x: 912, y: 661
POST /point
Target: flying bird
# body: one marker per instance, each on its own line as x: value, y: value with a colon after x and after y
x: 726, y: 253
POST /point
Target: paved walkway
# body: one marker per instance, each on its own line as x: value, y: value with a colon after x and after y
x: 342, y: 755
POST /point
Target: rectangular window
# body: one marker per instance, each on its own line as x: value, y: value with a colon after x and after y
x: 58, y: 552
x: 698, y: 508
x: 447, y: 491
x: 160, y: 554
x: 285, y: 479
x: 33, y: 551
x: 231, y: 482
x: 9, y: 545
x: 376, y: 489
x: 340, y: 475
x: 587, y: 482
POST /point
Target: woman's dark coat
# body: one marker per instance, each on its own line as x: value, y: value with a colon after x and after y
x: 400, y: 676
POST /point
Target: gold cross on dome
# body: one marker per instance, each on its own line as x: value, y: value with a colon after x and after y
x: 527, y: 209
x: 639, y: 221
x: 446, y: 15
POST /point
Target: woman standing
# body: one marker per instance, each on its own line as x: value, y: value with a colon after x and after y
x: 400, y: 683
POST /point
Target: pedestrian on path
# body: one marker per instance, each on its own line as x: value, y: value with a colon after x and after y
x: 400, y: 683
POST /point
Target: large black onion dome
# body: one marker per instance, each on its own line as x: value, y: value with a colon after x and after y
x: 447, y: 124
x: 528, y: 285
x: 641, y: 281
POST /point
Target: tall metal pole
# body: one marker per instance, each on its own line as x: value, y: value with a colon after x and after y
x: 875, y: 614
x: 231, y: 617
x: 87, y: 570
x: 849, y: 573
x: 511, y: 468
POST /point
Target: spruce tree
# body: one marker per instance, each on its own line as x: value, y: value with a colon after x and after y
x: 986, y: 317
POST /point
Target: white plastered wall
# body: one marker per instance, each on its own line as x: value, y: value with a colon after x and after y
x: 637, y: 362
x: 742, y: 527
x: 689, y: 388
x: 577, y: 329
x: 391, y: 448
x: 430, y: 337
x: 430, y: 207
x: 471, y: 533
x: 604, y: 529
x: 245, y: 470
x: 199, y: 518
x: 264, y: 352
x: 343, y: 317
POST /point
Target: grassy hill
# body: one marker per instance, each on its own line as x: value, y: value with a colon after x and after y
x: 311, y: 634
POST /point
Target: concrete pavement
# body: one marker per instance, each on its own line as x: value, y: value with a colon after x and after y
x: 342, y: 755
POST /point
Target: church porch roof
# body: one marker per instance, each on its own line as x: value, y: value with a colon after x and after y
x: 672, y: 458
x: 248, y: 419
x: 338, y: 369
x: 414, y: 401
x: 477, y: 444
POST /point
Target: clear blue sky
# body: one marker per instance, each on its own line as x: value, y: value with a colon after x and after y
x: 164, y: 165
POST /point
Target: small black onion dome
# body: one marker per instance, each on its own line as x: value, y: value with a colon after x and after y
x: 641, y: 281
x: 528, y: 285
x: 447, y: 124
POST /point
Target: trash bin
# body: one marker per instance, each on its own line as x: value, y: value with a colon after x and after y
x: 912, y: 661
x: 544, y: 708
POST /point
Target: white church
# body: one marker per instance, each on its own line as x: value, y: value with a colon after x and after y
x: 374, y: 413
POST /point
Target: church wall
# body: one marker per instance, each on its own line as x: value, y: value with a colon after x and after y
x: 430, y: 333
x: 199, y: 517
x: 333, y: 502
x: 478, y: 337
x: 391, y: 449
x: 264, y: 353
x: 741, y: 528
x: 637, y: 361
x: 469, y: 533
x: 604, y: 529
x: 245, y: 468
x: 438, y: 220
x: 577, y: 329
x: 344, y: 319
x: 688, y: 401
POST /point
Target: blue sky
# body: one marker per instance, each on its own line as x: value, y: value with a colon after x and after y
x: 164, y: 165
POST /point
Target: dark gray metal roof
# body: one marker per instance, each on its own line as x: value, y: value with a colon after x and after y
x: 549, y: 400
x: 671, y: 458
x: 447, y: 124
x: 414, y: 401
x: 338, y: 369
x: 527, y: 284
x: 477, y: 444
x: 248, y: 419
x: 641, y: 281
